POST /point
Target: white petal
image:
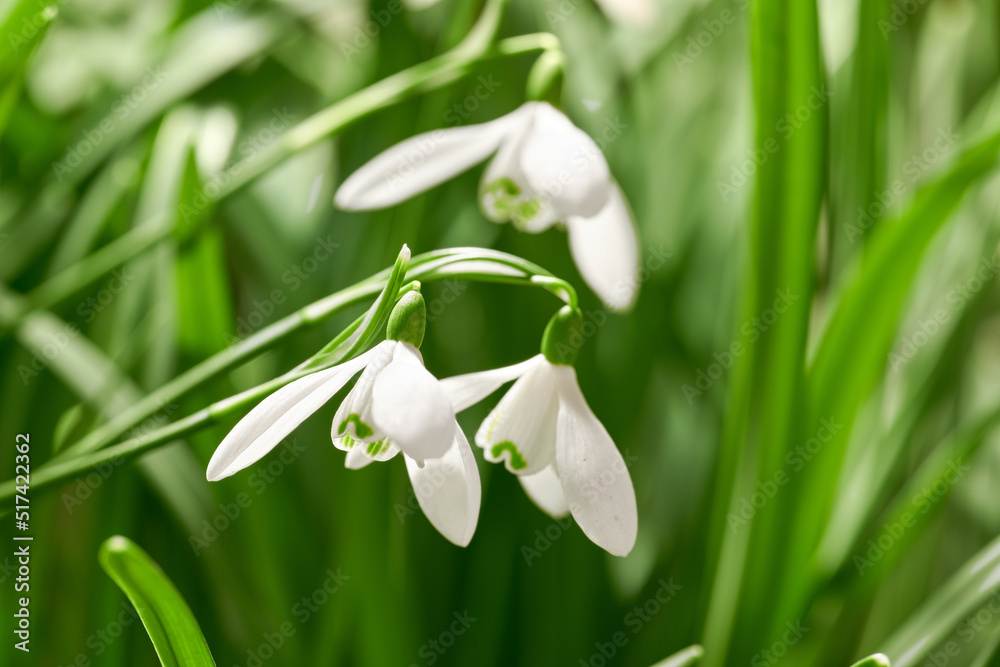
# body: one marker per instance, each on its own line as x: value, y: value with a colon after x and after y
x: 467, y: 390
x: 421, y: 162
x: 594, y: 476
x: 409, y: 406
x: 379, y: 450
x: 640, y: 13
x: 564, y: 165
x: 606, y: 251
x: 356, y: 459
x: 545, y: 490
x: 278, y: 415
x: 505, y: 194
x: 448, y: 489
x: 521, y: 429
x: 354, y: 416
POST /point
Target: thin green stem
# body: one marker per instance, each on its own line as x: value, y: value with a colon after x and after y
x: 437, y: 265
x: 423, y: 77
x: 93, y: 451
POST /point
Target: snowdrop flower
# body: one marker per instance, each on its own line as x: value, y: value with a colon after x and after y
x: 546, y: 170
x: 543, y: 431
x: 396, y: 405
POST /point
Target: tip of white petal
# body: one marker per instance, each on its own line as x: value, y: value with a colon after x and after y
x: 405, y: 253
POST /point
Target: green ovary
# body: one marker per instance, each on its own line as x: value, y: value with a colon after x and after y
x: 516, y: 461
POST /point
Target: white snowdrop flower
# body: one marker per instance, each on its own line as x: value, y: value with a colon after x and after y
x: 545, y: 170
x: 396, y: 405
x: 543, y: 431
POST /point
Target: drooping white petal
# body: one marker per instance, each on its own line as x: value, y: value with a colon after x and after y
x: 640, y: 13
x: 421, y: 162
x: 545, y: 490
x: 594, y: 476
x: 606, y: 250
x: 564, y: 165
x: 356, y: 459
x: 467, y: 390
x: 354, y: 416
x: 505, y: 194
x: 521, y: 429
x: 448, y: 489
x: 278, y: 415
x: 411, y: 408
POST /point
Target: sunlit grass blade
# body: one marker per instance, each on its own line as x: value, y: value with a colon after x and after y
x: 914, y: 506
x: 961, y: 595
x: 690, y: 656
x: 172, y: 628
x: 852, y: 352
x: 860, y: 166
x: 766, y: 393
x: 22, y: 27
x: 877, y: 660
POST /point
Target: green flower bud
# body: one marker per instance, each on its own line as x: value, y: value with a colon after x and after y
x: 545, y: 80
x: 407, y: 320
x: 561, y: 340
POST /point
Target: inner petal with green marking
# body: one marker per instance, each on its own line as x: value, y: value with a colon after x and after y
x: 505, y: 199
x: 514, y: 458
x: 361, y: 429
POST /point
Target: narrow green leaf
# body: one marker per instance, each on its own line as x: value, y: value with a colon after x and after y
x: 966, y: 591
x: 171, y: 626
x: 851, y: 356
x: 877, y: 660
x: 689, y: 656
x: 765, y: 410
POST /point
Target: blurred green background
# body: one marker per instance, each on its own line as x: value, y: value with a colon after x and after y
x: 95, y: 131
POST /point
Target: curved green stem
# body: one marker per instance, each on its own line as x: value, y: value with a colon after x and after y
x: 437, y: 265
x: 423, y: 77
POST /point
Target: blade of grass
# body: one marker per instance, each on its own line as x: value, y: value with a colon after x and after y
x: 167, y: 618
x: 763, y: 417
x: 961, y: 595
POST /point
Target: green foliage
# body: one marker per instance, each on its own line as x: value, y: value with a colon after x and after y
x: 805, y: 389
